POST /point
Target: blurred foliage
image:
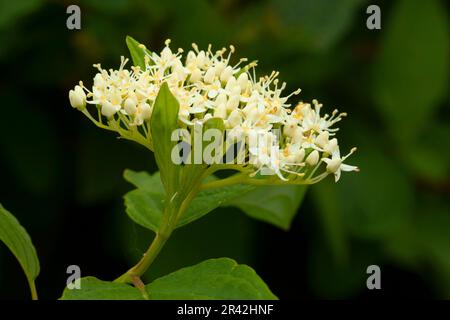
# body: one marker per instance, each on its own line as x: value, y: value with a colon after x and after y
x: 63, y: 177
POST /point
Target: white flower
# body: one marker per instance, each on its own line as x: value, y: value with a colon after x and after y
x: 335, y: 165
x: 208, y: 85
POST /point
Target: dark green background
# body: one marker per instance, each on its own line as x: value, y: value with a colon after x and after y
x: 62, y: 177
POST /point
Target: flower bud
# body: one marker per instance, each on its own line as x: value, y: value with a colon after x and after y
x: 242, y: 80
x: 209, y: 75
x: 130, y: 106
x: 220, y: 111
x: 99, y: 81
x: 234, y: 119
x: 190, y: 59
x: 166, y: 54
x: 201, y: 57
x: 180, y: 73
x: 226, y: 74
x: 232, y: 103
x: 331, y: 146
x: 322, y: 139
x: 221, y: 98
x: 146, y: 111
x: 77, y: 98
x: 231, y: 83
x: 196, y: 75
x: 300, y: 155
x: 313, y: 158
x: 219, y: 67
x: 108, y: 109
x: 236, y: 90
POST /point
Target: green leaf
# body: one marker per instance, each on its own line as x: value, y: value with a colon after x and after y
x: 163, y: 122
x: 212, y: 279
x: 145, y: 208
x: 18, y: 241
x: 213, y: 123
x: 208, y: 200
x: 273, y: 204
x: 145, y: 204
x: 144, y: 181
x: 225, y: 232
x: 137, y: 52
x: 95, y: 289
x: 219, y: 278
x: 411, y: 76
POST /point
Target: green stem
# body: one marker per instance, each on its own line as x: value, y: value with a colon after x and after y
x: 136, y: 136
x: 244, y: 178
x: 33, y: 290
x: 235, y: 179
x: 149, y: 256
x: 173, y: 210
x: 170, y: 218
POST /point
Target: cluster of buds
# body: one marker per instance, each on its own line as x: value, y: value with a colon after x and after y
x: 207, y: 85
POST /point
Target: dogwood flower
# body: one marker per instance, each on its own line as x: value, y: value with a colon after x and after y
x: 335, y: 165
x: 294, y: 143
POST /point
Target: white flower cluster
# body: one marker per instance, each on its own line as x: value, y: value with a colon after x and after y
x: 207, y: 85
